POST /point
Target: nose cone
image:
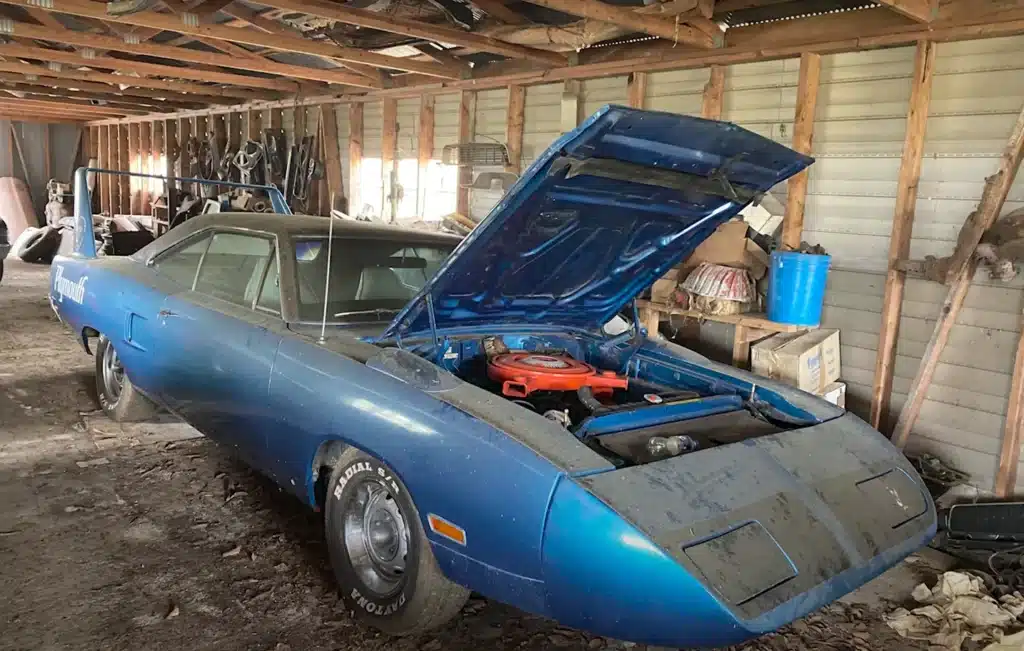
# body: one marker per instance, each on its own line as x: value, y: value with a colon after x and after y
x: 605, y: 576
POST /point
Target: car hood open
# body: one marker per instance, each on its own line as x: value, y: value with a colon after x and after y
x: 597, y: 218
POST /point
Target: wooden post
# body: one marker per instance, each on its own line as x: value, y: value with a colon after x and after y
x: 803, y: 135
x: 234, y: 121
x: 1009, y: 453
x: 570, y: 107
x: 636, y: 89
x: 467, y: 130
x: 997, y: 187
x: 47, y: 163
x: 170, y: 141
x: 514, y: 122
x: 388, y: 151
x: 355, y: 156
x: 124, y: 164
x: 252, y: 125
x: 332, y: 159
x: 184, y: 130
x: 276, y: 118
x: 299, y: 122
x: 425, y: 150
x: 134, y: 160
x: 101, y: 187
x: 145, y: 164
x: 902, y: 229
x: 714, y: 94
x: 113, y: 187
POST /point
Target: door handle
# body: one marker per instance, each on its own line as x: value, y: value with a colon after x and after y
x: 165, y: 313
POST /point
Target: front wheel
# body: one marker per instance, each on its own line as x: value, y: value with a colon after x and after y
x: 380, y: 554
x: 119, y: 399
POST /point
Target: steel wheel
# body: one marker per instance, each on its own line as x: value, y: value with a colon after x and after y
x: 113, y: 375
x: 376, y: 537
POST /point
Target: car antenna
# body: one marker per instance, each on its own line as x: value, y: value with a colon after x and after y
x: 327, y: 278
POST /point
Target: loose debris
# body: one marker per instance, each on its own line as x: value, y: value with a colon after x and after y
x: 958, y: 608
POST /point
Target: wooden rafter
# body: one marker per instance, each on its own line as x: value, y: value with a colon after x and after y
x: 924, y: 11
x: 676, y: 31
x: 30, y: 107
x: 280, y: 42
x: 198, y: 91
x: 416, y: 29
x: 90, y: 91
x: 72, y: 101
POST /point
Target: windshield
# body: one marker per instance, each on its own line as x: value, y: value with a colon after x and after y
x: 371, y: 280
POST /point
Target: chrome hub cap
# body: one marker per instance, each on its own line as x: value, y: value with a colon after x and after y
x: 376, y: 538
x: 113, y: 375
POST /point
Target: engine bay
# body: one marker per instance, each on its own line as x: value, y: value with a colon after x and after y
x: 625, y: 417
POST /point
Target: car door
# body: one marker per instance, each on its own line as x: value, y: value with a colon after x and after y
x: 224, y: 341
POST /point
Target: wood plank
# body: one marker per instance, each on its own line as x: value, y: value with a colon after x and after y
x: 649, y: 24
x: 417, y: 29
x: 100, y: 186
x: 145, y: 165
x: 514, y: 125
x: 170, y: 143
x: 113, y: 187
x: 153, y: 99
x: 389, y: 151
x: 252, y: 124
x: 714, y: 94
x: 355, y: 157
x: 337, y: 200
x: 467, y: 131
x: 234, y: 126
x: 142, y: 68
x: 997, y: 187
x: 124, y: 165
x: 424, y: 151
x: 803, y: 136
x: 924, y: 11
x: 276, y: 118
x: 754, y: 320
x: 991, y: 204
x: 902, y: 229
x: 1009, y: 451
x: 636, y: 89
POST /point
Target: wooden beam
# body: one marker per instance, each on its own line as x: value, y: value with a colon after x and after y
x: 88, y: 94
x: 355, y: 157
x: 997, y: 187
x: 284, y: 43
x: 417, y: 29
x: 424, y: 150
x: 902, y: 229
x: 110, y: 103
x: 636, y: 89
x: 467, y: 131
x: 332, y: 159
x: 388, y: 154
x: 123, y: 164
x: 924, y: 11
x: 134, y: 164
x: 142, y: 96
x: 514, y: 122
x: 714, y: 94
x: 142, y: 68
x: 1009, y: 452
x: 111, y: 185
x: 197, y: 56
x: 803, y: 136
x: 58, y: 107
x: 102, y: 180
x: 675, y: 31
x: 170, y: 189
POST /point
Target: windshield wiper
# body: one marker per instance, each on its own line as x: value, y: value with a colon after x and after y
x: 377, y: 310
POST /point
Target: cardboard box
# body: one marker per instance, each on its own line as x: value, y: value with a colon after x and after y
x: 836, y: 394
x: 729, y: 246
x: 807, y: 360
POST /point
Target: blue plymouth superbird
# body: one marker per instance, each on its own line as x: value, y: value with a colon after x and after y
x: 488, y: 414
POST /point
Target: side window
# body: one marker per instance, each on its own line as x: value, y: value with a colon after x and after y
x: 181, y: 265
x: 233, y: 267
x: 270, y: 296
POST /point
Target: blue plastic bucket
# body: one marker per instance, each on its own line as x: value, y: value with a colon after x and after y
x: 796, y: 287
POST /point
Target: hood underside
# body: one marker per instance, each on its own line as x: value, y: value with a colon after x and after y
x: 597, y: 218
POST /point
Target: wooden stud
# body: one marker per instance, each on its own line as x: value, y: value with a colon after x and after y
x: 677, y: 32
x: 145, y: 165
x: 355, y: 156
x: 252, y: 124
x: 234, y: 125
x: 388, y: 156
x: 276, y: 118
x: 47, y: 153
x: 714, y: 94
x: 102, y: 180
x: 170, y: 189
x: 902, y: 229
x: 997, y: 187
x: 514, y: 123
x: 112, y: 186
x: 134, y: 158
x: 332, y: 159
x: 467, y: 131
x: 803, y: 135
x: 424, y: 151
x: 636, y: 89
x: 1009, y: 452
x: 924, y: 11
x: 124, y: 164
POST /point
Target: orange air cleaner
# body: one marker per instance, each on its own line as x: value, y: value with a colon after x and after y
x: 523, y: 373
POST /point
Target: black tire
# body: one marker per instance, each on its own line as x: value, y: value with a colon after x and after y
x: 126, y: 406
x: 424, y: 598
x: 42, y: 246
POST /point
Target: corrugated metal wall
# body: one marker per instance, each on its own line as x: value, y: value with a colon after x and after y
x: 62, y: 151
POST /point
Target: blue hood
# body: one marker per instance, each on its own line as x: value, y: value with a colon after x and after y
x: 597, y: 218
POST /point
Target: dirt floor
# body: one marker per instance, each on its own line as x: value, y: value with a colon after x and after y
x: 150, y: 537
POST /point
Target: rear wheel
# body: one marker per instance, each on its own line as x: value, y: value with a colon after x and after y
x: 380, y: 555
x: 119, y: 399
